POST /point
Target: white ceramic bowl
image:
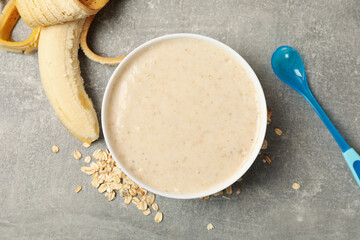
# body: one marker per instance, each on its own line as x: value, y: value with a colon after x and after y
x: 263, y: 117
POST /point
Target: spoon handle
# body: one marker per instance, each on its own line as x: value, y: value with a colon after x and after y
x: 335, y: 133
x: 352, y: 158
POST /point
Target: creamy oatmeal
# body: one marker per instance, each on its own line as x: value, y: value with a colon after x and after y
x: 184, y: 116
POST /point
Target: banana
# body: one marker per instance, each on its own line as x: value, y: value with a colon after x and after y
x: 60, y: 76
x: 37, y: 13
x: 57, y: 27
x: 8, y: 20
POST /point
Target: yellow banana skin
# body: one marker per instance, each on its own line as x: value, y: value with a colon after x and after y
x: 8, y: 20
x: 89, y: 53
x: 60, y: 75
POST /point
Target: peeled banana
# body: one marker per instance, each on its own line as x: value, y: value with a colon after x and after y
x: 51, y: 12
x: 60, y: 76
x: 60, y: 23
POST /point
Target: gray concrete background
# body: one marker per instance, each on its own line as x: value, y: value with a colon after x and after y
x: 37, y: 198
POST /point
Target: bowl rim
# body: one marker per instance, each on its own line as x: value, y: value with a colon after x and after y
x: 263, y: 115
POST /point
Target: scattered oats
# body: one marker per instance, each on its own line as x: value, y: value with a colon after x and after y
x: 94, y: 166
x: 226, y: 197
x: 135, y: 201
x: 117, y: 186
x: 269, y: 113
x: 142, y: 205
x: 95, y: 183
x: 102, y: 156
x: 150, y: 199
x: 210, y: 227
x: 102, y: 188
x: 109, y: 189
x: 158, y: 217
x: 132, y: 192
x: 155, y: 206
x: 264, y: 145
x: 140, y: 192
x: 267, y: 159
x: 117, y: 170
x: 239, y: 180
x: 96, y: 154
x: 112, y: 185
x: 219, y: 193
x: 128, y: 199
x: 77, y: 155
x: 86, y: 145
x: 87, y: 159
x: 87, y: 170
x: 143, y: 198
x: 238, y: 191
x: 147, y: 212
x: 101, y: 176
x: 55, y: 148
x: 123, y: 192
x: 78, y: 189
x: 205, y: 198
x: 111, y: 195
x: 278, y: 131
x: 108, y: 177
x: 101, y: 181
x: 229, y: 190
x: 117, y: 179
x: 296, y: 186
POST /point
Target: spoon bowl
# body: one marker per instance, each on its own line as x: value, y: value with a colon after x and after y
x: 289, y: 67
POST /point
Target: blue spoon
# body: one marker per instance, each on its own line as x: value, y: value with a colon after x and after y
x: 288, y: 66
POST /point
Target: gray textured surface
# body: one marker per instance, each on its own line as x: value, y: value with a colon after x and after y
x: 37, y: 198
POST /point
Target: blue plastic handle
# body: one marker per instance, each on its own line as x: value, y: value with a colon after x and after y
x: 352, y: 158
x: 315, y: 105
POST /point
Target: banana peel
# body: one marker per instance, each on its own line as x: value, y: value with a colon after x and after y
x: 58, y: 28
x: 8, y: 19
x: 90, y: 54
